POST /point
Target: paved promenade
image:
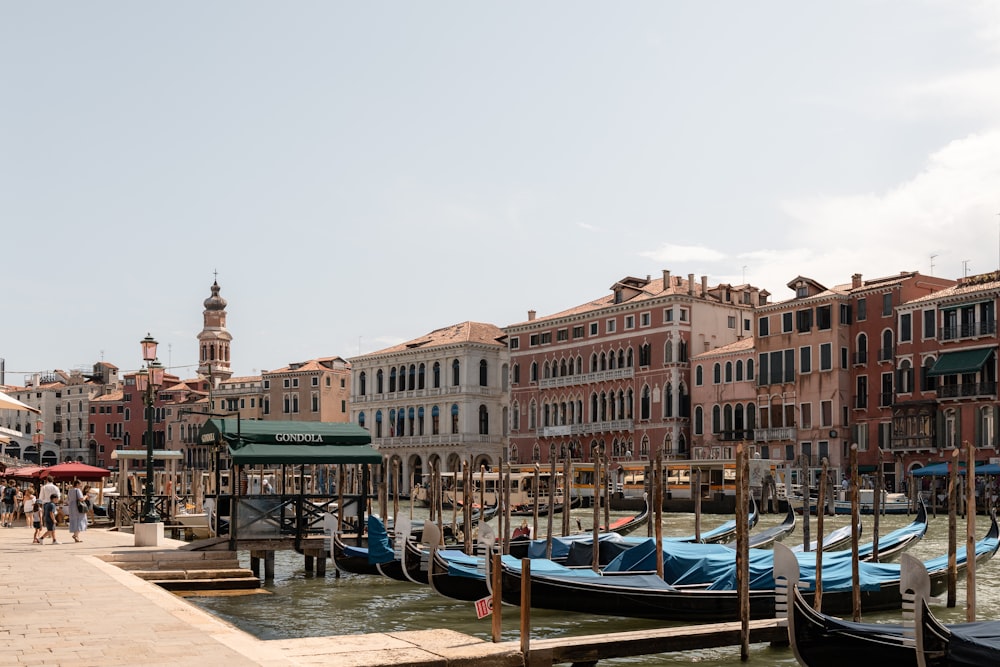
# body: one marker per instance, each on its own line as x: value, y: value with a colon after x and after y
x: 60, y: 605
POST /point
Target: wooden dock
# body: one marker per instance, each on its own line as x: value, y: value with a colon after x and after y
x: 589, y: 649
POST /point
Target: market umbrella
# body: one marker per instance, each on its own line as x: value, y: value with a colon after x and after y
x: 24, y: 472
x: 8, y: 403
x: 73, y: 470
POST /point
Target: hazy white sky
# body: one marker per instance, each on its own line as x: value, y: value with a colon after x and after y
x: 360, y: 173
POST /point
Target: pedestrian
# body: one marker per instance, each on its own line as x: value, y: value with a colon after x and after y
x: 48, y: 489
x: 28, y: 505
x: 49, y: 516
x: 8, y: 500
x: 77, y: 511
x: 36, y: 521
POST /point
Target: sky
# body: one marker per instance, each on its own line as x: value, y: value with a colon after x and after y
x: 362, y: 173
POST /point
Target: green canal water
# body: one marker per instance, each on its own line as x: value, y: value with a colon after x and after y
x: 302, y: 605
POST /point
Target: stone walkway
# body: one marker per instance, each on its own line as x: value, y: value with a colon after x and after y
x: 59, y: 605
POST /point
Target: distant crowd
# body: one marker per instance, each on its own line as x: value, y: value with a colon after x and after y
x: 47, y: 509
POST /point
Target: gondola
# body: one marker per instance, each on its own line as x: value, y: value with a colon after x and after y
x: 710, y: 595
x: 962, y: 645
x: 524, y: 548
x: 898, y: 541
x: 766, y: 538
x: 723, y: 533
x: 351, y: 559
x: 835, y: 540
x: 819, y: 640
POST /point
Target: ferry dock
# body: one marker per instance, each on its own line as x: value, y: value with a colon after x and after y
x: 69, y: 603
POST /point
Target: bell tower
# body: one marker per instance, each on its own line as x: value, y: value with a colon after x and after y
x: 214, y: 339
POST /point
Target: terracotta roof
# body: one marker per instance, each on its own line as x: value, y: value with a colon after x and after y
x: 115, y: 395
x: 652, y: 289
x: 242, y: 378
x: 738, y: 346
x: 962, y: 289
x: 464, y: 332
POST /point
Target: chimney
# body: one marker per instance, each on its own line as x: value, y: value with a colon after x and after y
x: 531, y: 315
x: 704, y: 286
x: 666, y: 279
x: 690, y: 284
x: 856, y: 280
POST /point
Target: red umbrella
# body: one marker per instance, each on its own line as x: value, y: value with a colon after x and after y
x: 73, y: 470
x: 25, y: 472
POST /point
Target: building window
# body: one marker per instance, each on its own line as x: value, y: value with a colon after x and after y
x: 698, y: 419
x: 716, y: 374
x: 826, y: 414
x: 482, y: 373
x: 315, y: 401
x: 987, y: 426
x: 930, y: 323
x: 805, y: 359
x: 823, y: 318
x: 593, y: 328
x: 562, y: 335
x: 644, y: 319
x: 699, y: 376
x: 684, y: 314
x: 762, y: 326
x: 862, y: 310
x: 629, y: 322
x: 731, y: 321
x: 610, y: 326
x: 805, y: 415
x: 533, y: 340
x: 845, y: 313
x: 885, y: 396
x: 786, y: 323
x: 454, y: 419
x: 887, y: 304
x: 514, y: 343
x: 578, y: 332
x: 455, y: 367
x: 668, y: 314
x: 484, y: 420
x: 804, y: 320
x: 315, y: 381
x: 546, y: 337
x: 729, y: 371
x: 905, y: 327
x: 826, y: 356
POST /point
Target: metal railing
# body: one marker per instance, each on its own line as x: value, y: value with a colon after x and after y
x: 967, y: 389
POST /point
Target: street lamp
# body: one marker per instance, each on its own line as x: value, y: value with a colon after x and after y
x: 148, y: 381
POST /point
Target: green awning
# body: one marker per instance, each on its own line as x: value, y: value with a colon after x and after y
x: 260, y: 454
x: 960, y: 361
x: 867, y: 468
x: 260, y: 442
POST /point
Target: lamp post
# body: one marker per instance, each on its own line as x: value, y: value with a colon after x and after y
x: 148, y: 381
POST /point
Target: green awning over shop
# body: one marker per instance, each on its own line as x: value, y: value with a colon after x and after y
x: 960, y: 361
x: 253, y: 442
x: 867, y: 468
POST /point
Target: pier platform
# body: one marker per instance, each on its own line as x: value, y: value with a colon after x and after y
x: 63, y: 604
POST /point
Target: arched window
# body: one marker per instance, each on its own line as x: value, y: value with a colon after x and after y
x: 729, y: 371
x: 455, y: 375
x: 682, y: 351
x: 536, y: 453
x: 644, y: 447
x: 698, y: 418
x: 593, y: 407
x: 751, y: 418
x: 516, y: 374
x: 546, y: 370
x: 716, y: 374
x: 435, y: 420
x: 699, y: 376
x: 862, y: 354
x: 668, y: 352
x: 716, y: 419
x: 392, y: 380
x: 436, y: 375
x: 412, y: 384
x: 362, y: 383
x: 727, y: 419
x: 668, y: 401
x: 534, y: 371
x: 454, y: 418
x: 421, y: 377
x: 484, y: 420
x: 644, y: 406
x: 482, y: 373
x: 885, y: 354
x: 739, y: 370
x: 904, y: 377
x: 532, y: 423
x: 378, y: 424
x: 515, y: 416
x: 750, y: 369
x: 593, y: 363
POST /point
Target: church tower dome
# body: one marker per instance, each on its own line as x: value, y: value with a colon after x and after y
x: 214, y: 340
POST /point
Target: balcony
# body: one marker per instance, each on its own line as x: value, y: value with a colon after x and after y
x: 969, y: 330
x: 621, y: 425
x: 861, y: 402
x: 885, y: 399
x: 771, y: 434
x: 860, y: 358
x: 587, y: 378
x: 967, y: 389
x: 885, y: 353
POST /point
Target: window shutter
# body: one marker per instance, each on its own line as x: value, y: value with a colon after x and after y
x: 939, y: 431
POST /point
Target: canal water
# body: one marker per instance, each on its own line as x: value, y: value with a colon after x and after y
x: 302, y: 605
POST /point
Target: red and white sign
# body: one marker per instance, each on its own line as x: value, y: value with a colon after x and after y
x: 484, y: 607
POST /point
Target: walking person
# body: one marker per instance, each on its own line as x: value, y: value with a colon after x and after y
x: 28, y: 505
x: 48, y: 489
x: 8, y: 500
x: 36, y: 521
x: 49, y: 517
x: 77, y: 505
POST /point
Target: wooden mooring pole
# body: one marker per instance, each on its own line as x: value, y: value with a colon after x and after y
x: 952, y: 527
x: 820, y: 514
x: 970, y: 532
x: 855, y: 520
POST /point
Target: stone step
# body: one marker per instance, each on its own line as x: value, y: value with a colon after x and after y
x: 233, y: 573
x: 175, y: 554
x: 240, y: 583
x: 180, y: 565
